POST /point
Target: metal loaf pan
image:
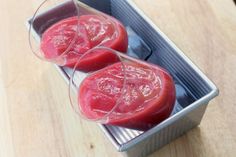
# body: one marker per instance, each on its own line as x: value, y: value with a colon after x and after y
x: 187, y: 113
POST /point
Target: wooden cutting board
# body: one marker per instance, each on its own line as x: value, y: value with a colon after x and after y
x: 36, y: 119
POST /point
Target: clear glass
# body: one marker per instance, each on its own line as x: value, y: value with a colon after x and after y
x: 57, y: 36
x: 134, y: 87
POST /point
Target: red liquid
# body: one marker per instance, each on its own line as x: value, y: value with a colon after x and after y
x: 73, y: 36
x: 147, y: 100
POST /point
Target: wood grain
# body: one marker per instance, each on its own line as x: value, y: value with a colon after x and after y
x: 35, y: 116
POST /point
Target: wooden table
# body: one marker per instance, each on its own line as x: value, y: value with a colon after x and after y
x: 36, y: 119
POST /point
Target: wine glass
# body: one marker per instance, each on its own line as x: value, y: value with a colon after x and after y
x: 120, y: 90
